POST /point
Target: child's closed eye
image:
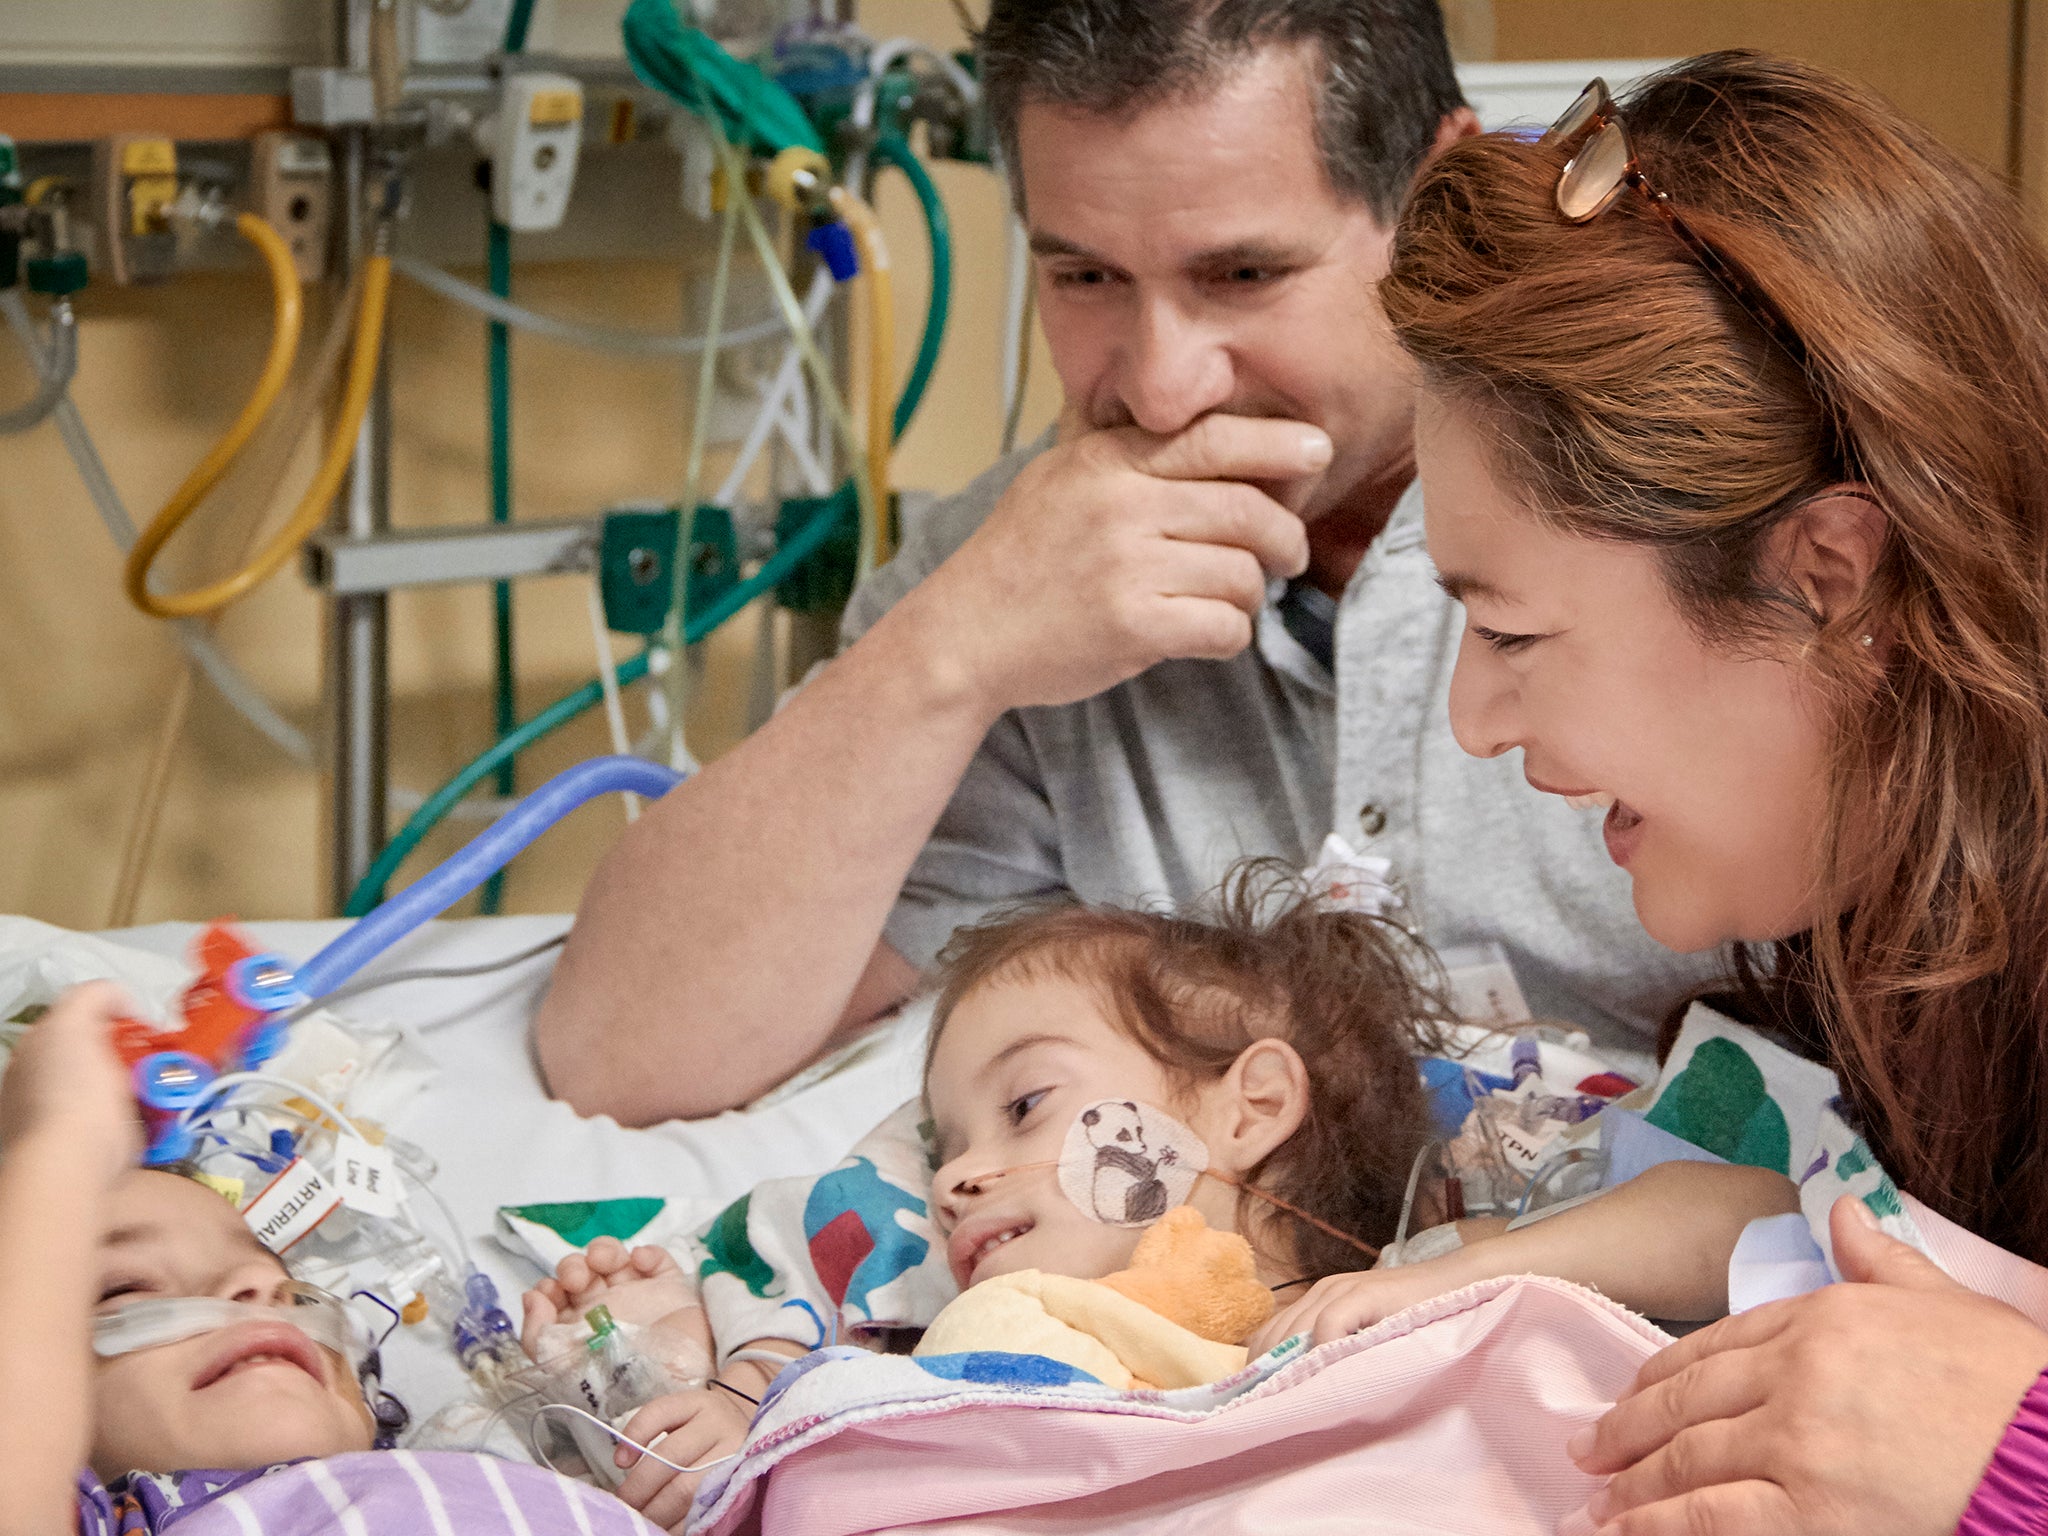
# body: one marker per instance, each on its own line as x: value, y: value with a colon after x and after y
x: 115, y: 1290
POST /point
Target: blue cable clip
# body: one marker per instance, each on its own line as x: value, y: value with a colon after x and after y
x: 834, y: 245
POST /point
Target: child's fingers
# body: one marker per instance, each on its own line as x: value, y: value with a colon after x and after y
x: 536, y: 1313
x: 574, y: 1274
x: 652, y: 1477
x: 1283, y: 1327
x: 671, y: 1505
x: 662, y: 1416
x: 1345, y: 1316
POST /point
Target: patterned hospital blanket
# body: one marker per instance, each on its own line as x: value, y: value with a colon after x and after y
x: 1450, y: 1418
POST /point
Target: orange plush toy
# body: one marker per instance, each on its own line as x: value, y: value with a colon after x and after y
x: 1204, y: 1280
x: 1178, y: 1317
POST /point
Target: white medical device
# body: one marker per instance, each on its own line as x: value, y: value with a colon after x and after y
x: 532, y: 140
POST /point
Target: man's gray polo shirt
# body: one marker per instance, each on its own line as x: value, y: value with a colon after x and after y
x: 1152, y: 789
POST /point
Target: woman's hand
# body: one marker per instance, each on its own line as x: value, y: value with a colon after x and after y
x: 65, y: 1080
x: 1867, y: 1409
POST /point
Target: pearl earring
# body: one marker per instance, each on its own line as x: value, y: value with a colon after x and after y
x: 1870, y: 639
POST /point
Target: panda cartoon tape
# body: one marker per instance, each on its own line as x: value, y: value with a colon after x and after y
x: 1127, y: 1164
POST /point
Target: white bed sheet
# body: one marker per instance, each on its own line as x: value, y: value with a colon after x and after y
x: 500, y: 1140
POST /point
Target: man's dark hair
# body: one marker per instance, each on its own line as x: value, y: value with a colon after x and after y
x: 1387, y: 80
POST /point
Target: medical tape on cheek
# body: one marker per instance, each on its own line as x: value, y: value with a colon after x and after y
x: 171, y: 1319
x: 1126, y: 1164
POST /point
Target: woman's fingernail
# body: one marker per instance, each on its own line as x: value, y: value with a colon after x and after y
x: 1316, y: 450
x: 1599, y: 1506
x: 1580, y: 1446
x: 1864, y: 1214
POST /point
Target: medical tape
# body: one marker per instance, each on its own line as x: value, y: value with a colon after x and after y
x: 1175, y: 1136
x: 323, y: 1318
x: 1126, y: 1164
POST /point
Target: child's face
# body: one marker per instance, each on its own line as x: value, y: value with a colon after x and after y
x: 1017, y: 1060
x: 239, y: 1397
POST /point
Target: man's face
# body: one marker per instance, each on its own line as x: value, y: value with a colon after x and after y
x: 1194, y: 258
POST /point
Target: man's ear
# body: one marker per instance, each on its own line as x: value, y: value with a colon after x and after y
x: 1267, y: 1098
x: 1463, y: 123
x: 1827, y: 550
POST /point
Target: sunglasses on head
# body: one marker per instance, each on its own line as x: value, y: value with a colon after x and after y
x: 1603, y: 165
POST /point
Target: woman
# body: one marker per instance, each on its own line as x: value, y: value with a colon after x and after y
x: 1733, y: 446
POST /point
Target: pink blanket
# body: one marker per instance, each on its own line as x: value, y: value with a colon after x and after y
x: 1451, y: 1417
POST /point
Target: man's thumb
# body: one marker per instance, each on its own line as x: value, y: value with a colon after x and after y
x: 1864, y: 1252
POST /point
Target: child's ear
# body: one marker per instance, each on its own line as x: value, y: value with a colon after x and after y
x: 1266, y: 1101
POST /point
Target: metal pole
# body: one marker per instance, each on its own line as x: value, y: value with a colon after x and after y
x: 358, y: 681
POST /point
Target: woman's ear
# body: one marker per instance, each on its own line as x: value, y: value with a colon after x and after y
x: 1828, y: 549
x: 1264, y: 1101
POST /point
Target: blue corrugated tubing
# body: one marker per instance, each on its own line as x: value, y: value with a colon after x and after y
x: 488, y: 852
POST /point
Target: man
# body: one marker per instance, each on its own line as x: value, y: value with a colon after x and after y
x: 1200, y: 625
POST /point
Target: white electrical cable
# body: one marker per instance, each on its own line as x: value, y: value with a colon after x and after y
x: 541, y: 1455
x: 607, y: 677
x: 794, y: 430
x: 192, y: 634
x: 405, y: 801
x: 53, y: 360
x: 598, y: 338
x: 787, y: 380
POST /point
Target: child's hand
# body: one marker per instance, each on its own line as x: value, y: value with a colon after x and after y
x: 1340, y: 1304
x: 64, y: 1079
x: 643, y: 1285
x: 697, y: 1429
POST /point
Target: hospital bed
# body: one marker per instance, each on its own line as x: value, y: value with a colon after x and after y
x: 487, y: 1121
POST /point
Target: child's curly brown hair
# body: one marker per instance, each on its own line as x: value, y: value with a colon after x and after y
x: 1262, y: 957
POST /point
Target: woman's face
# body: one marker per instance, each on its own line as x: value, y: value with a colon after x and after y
x: 244, y: 1396
x: 1714, y: 761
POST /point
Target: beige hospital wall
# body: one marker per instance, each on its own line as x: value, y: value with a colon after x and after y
x: 83, y: 679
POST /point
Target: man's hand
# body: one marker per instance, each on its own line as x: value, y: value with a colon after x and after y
x: 1117, y: 550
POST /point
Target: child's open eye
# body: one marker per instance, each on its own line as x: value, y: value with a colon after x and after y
x: 1019, y: 1109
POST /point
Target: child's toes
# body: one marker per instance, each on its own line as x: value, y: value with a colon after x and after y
x: 651, y: 1261
x: 574, y: 1274
x: 607, y: 1256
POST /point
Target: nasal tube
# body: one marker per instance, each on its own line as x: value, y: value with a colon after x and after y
x: 160, y: 1320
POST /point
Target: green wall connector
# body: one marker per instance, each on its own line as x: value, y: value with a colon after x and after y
x: 825, y: 580
x: 64, y: 273
x: 633, y: 565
